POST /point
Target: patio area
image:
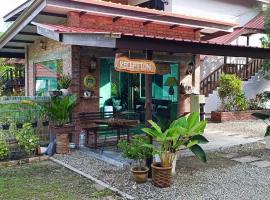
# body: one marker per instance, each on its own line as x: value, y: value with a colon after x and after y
x: 228, y: 173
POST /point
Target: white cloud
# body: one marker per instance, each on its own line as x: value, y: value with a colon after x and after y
x: 6, y: 7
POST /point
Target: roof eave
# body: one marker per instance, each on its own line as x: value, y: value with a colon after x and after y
x: 25, y: 18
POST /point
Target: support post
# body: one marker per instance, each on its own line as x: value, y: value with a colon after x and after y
x: 148, y: 106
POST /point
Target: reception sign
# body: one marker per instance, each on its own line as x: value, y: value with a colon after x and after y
x: 138, y: 66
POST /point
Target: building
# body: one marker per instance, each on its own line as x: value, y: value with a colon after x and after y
x: 83, y: 38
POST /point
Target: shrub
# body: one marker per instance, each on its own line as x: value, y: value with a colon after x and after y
x: 64, y: 82
x: 27, y: 139
x: 231, y: 93
x: 4, y: 150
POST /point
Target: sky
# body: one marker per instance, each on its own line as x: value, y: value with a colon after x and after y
x: 6, y: 7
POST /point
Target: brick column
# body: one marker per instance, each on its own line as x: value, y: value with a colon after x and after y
x: 75, y: 88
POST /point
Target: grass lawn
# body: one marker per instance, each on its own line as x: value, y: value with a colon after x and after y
x: 46, y: 180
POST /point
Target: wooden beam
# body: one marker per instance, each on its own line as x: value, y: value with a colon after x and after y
x: 12, y: 47
x: 53, y: 14
x: 22, y: 41
x: 146, y: 23
x: 174, y: 26
x: 148, y: 106
x: 115, y: 19
x: 11, y: 55
x: 28, y: 33
x: 194, y: 47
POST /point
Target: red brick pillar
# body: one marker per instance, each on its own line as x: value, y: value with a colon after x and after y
x: 75, y: 88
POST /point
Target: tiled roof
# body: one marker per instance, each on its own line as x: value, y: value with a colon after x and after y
x: 257, y: 23
x: 76, y: 30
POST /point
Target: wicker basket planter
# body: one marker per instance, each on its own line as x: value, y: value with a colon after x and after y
x: 161, y: 176
x: 62, y: 139
x: 140, y: 175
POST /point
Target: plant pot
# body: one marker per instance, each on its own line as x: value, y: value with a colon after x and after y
x: 62, y: 139
x: 140, y: 175
x: 5, y: 126
x: 45, y: 123
x: 161, y: 176
x: 34, y: 124
x: 19, y: 126
x: 65, y: 92
x: 267, y: 142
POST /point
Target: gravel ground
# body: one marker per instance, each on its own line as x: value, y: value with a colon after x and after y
x: 220, y: 178
x: 254, y: 128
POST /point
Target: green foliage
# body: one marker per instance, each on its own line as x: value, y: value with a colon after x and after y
x: 231, y: 93
x: 136, y: 149
x: 4, y: 150
x: 183, y: 132
x: 60, y: 108
x: 114, y: 90
x: 27, y: 139
x: 64, y: 82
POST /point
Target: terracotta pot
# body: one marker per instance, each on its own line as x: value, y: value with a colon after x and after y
x: 140, y: 175
x: 62, y: 140
x: 161, y: 176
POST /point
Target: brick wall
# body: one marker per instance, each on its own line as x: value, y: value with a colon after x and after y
x: 129, y: 26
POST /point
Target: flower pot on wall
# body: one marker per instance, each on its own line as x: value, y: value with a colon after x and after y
x: 161, y: 176
x: 140, y: 175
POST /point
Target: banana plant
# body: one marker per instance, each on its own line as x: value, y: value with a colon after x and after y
x: 183, y: 132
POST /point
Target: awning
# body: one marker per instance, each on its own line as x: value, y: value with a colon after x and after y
x: 101, y: 38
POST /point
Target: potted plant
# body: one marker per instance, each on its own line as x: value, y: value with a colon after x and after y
x: 19, y: 123
x: 183, y: 132
x: 59, y: 110
x: 63, y: 84
x: 5, y: 123
x: 4, y: 150
x: 27, y: 139
x: 138, y: 152
x: 265, y: 117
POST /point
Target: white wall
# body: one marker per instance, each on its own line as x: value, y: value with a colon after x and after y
x: 236, y: 10
x: 255, y: 85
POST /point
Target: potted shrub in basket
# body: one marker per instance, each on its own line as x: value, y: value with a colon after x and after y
x: 63, y: 84
x: 59, y: 110
x: 183, y: 132
x: 5, y: 122
x: 137, y: 152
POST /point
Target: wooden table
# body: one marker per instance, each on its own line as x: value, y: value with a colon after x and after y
x: 118, y: 124
x: 114, y: 124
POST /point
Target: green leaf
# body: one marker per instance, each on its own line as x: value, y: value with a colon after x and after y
x: 200, y: 139
x: 192, y: 120
x: 192, y: 143
x: 155, y: 126
x: 182, y: 122
x: 198, y: 152
x: 198, y: 128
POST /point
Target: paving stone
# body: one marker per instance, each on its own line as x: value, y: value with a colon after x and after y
x: 262, y: 163
x: 230, y: 155
x: 99, y: 187
x: 246, y: 159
